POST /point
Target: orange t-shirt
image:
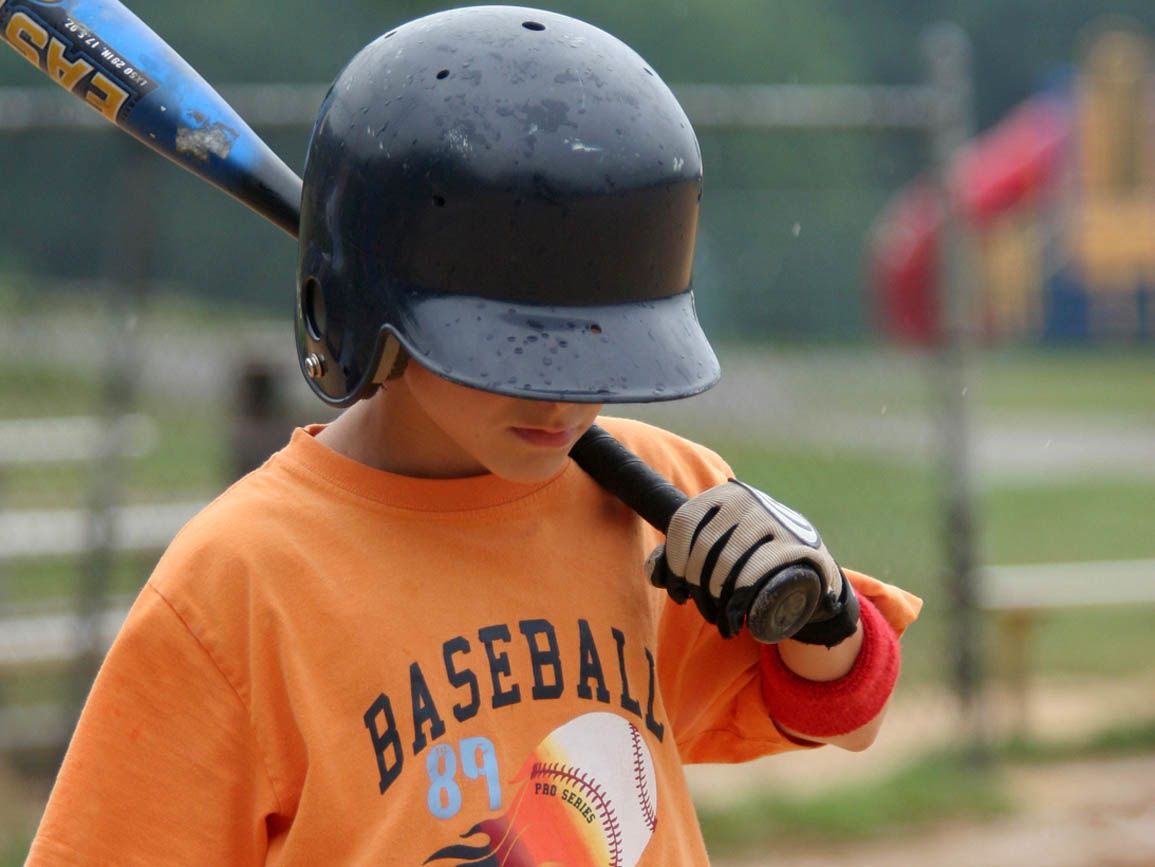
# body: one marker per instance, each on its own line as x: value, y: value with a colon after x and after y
x: 336, y: 665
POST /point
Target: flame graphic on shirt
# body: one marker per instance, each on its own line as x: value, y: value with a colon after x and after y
x: 586, y: 797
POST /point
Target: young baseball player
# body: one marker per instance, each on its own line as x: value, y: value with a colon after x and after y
x: 421, y: 634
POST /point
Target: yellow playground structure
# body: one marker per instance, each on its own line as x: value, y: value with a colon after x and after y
x: 1060, y: 200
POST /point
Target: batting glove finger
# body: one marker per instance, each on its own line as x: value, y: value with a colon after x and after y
x: 657, y: 569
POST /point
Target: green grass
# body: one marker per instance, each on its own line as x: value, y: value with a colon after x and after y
x: 935, y: 788
x: 14, y: 850
x: 881, y: 517
x: 21, y: 801
x: 61, y: 577
x: 942, y: 786
x: 187, y: 460
x: 1087, y: 381
x: 1126, y: 739
x: 42, y: 392
x: 1055, y: 522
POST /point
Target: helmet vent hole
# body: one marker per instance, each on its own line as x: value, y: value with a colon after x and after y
x: 533, y: 25
x: 595, y: 329
x: 313, y: 308
x: 443, y: 74
x: 648, y: 71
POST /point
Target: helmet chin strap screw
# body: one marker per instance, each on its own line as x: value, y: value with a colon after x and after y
x: 314, y: 366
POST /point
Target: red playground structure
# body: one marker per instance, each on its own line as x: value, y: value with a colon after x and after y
x: 1059, y: 199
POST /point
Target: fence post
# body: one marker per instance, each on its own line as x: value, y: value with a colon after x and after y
x: 947, y: 49
x: 129, y: 243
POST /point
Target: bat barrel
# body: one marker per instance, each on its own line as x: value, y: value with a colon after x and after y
x: 112, y: 61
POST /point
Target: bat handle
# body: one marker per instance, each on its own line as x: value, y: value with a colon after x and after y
x: 779, y: 608
x: 627, y: 477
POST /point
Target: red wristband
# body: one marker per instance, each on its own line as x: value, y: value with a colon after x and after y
x: 836, y: 707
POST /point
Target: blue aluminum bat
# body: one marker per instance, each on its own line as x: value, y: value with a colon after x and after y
x: 107, y: 57
x: 103, y: 54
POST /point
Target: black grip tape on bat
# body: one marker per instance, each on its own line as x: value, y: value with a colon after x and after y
x: 774, y: 609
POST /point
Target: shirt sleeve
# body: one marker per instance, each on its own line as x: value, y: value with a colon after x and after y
x: 163, y: 767
x: 713, y: 686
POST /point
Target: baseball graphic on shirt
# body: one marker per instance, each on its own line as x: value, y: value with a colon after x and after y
x: 587, y: 795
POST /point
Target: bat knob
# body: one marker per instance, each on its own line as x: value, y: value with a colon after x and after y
x: 784, y: 603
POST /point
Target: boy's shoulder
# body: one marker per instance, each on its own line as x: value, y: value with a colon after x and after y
x: 251, y: 519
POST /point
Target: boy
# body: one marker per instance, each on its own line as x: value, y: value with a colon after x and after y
x: 421, y: 634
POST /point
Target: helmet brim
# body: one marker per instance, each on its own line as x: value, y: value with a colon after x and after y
x: 638, y: 352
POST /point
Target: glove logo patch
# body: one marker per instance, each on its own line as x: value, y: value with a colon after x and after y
x: 787, y: 517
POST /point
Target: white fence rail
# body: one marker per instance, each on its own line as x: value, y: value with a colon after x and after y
x: 45, y: 632
x: 68, y: 532
x: 70, y: 439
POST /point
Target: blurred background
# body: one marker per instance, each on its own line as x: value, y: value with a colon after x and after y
x: 927, y: 259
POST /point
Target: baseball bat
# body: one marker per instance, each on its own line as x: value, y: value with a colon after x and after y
x: 106, y: 56
x: 103, y: 54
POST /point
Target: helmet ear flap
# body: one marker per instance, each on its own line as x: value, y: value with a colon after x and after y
x: 394, y: 360
x: 319, y: 335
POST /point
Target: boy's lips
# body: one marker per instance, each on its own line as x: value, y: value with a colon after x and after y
x: 544, y: 437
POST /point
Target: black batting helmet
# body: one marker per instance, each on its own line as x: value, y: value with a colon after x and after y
x: 510, y: 195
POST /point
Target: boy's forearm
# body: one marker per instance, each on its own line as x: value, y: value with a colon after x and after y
x: 818, y: 663
x: 834, y: 695
x: 855, y: 741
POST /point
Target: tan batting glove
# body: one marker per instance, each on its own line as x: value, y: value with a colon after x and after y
x: 727, y: 545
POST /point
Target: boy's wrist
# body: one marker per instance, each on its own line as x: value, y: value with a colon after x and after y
x: 830, y: 708
x: 819, y: 663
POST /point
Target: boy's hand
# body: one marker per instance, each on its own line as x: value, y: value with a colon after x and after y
x: 727, y: 544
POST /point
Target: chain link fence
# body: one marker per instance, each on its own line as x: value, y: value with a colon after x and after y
x: 130, y: 400
x: 133, y: 403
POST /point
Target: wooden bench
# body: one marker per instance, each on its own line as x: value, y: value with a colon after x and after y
x: 1020, y: 595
